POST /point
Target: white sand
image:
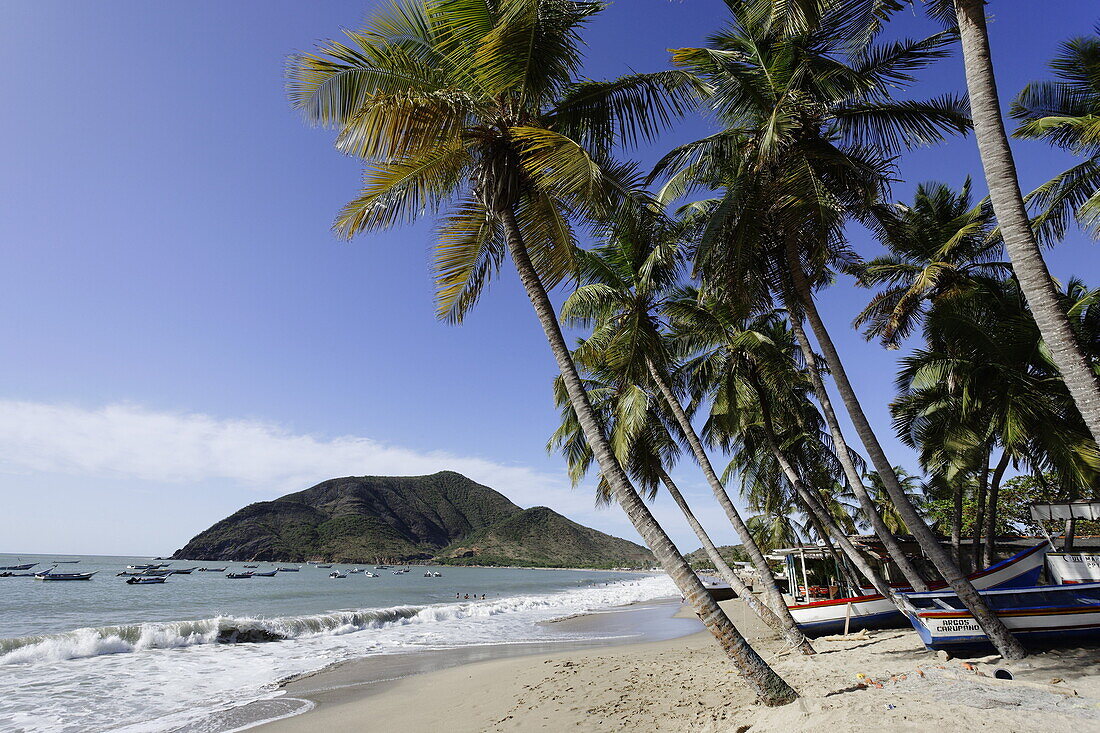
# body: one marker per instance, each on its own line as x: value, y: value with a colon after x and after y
x: 686, y: 684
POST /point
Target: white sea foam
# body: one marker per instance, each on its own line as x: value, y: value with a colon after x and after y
x: 175, y: 669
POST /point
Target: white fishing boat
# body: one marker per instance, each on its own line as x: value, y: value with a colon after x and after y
x: 874, y: 611
x: 369, y: 574
x: 336, y: 575
x: 1046, y: 615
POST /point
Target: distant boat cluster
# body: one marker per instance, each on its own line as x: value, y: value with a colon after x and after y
x: 159, y: 572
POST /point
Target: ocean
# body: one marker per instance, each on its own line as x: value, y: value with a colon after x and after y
x: 102, y: 655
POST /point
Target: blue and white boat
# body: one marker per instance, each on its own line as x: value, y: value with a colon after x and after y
x: 874, y: 611
x: 1045, y: 615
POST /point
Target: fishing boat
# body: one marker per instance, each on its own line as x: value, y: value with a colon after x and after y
x: 182, y: 571
x: 51, y: 575
x: 238, y: 576
x: 211, y: 570
x: 153, y: 566
x: 337, y: 575
x: 146, y: 573
x: 135, y: 580
x: 369, y: 574
x: 874, y: 611
x: 1042, y: 615
x: 268, y: 574
x: 28, y: 566
x: 287, y: 570
x: 437, y: 574
x: 9, y: 574
x: 324, y: 566
x: 252, y: 566
x: 65, y: 562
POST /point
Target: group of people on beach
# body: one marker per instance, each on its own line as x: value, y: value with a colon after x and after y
x: 467, y: 596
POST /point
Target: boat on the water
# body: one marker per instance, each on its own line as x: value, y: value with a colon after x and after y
x: 252, y: 566
x: 151, y: 566
x: 337, y: 575
x: 238, y: 576
x: 28, y: 566
x: 324, y: 566
x: 182, y: 571
x: 437, y: 574
x: 874, y: 611
x: 135, y: 580
x: 65, y: 562
x: 1044, y: 615
x: 287, y: 570
x: 52, y: 575
x: 211, y: 570
x: 369, y: 574
x: 268, y: 574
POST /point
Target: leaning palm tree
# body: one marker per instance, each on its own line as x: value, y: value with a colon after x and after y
x: 1008, y: 203
x: 476, y: 105
x: 1066, y: 113
x: 859, y: 20
x: 646, y: 448
x: 622, y: 286
x: 807, y: 146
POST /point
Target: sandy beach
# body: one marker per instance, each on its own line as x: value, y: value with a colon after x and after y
x: 685, y: 684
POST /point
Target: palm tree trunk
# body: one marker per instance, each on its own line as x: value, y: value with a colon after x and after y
x: 769, y: 686
x: 795, y: 637
x: 814, y: 503
x: 1008, y: 204
x: 771, y: 590
x: 979, y: 517
x: 990, y: 550
x: 866, y: 503
x: 1008, y: 646
x: 957, y: 521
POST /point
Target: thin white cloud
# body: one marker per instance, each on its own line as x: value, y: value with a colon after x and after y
x: 127, y: 442
x: 131, y: 442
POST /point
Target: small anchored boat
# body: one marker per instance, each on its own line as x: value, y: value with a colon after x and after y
x: 369, y: 574
x: 28, y: 566
x: 1044, y: 615
x: 51, y: 575
x: 252, y: 566
x: 182, y: 571
x: 288, y: 570
x: 135, y: 580
x: 211, y: 570
x: 268, y: 574
x: 238, y: 576
x: 324, y: 566
x: 337, y: 575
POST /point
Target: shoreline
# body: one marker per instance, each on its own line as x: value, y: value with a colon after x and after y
x: 865, y: 682
x: 641, y: 622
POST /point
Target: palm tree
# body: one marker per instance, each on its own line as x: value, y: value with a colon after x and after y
x: 940, y: 246
x: 646, y: 448
x: 622, y: 286
x: 875, y: 487
x: 1008, y: 203
x: 758, y: 409
x: 807, y: 146
x: 984, y: 369
x: 1065, y: 113
x: 476, y: 105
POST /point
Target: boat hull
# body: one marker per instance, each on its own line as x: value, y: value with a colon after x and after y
x: 1072, y: 619
x: 1068, y: 568
x: 874, y: 611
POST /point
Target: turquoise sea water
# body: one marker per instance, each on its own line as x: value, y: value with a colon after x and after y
x: 103, y: 655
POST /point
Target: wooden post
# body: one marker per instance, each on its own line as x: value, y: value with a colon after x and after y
x: 847, y: 617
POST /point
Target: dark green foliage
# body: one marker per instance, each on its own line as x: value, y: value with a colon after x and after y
x: 404, y: 519
x: 540, y: 537
x: 730, y: 553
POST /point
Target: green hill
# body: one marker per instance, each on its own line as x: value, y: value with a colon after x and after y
x: 371, y: 519
x: 540, y: 537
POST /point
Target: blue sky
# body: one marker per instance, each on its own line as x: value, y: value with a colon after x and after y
x: 182, y: 335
